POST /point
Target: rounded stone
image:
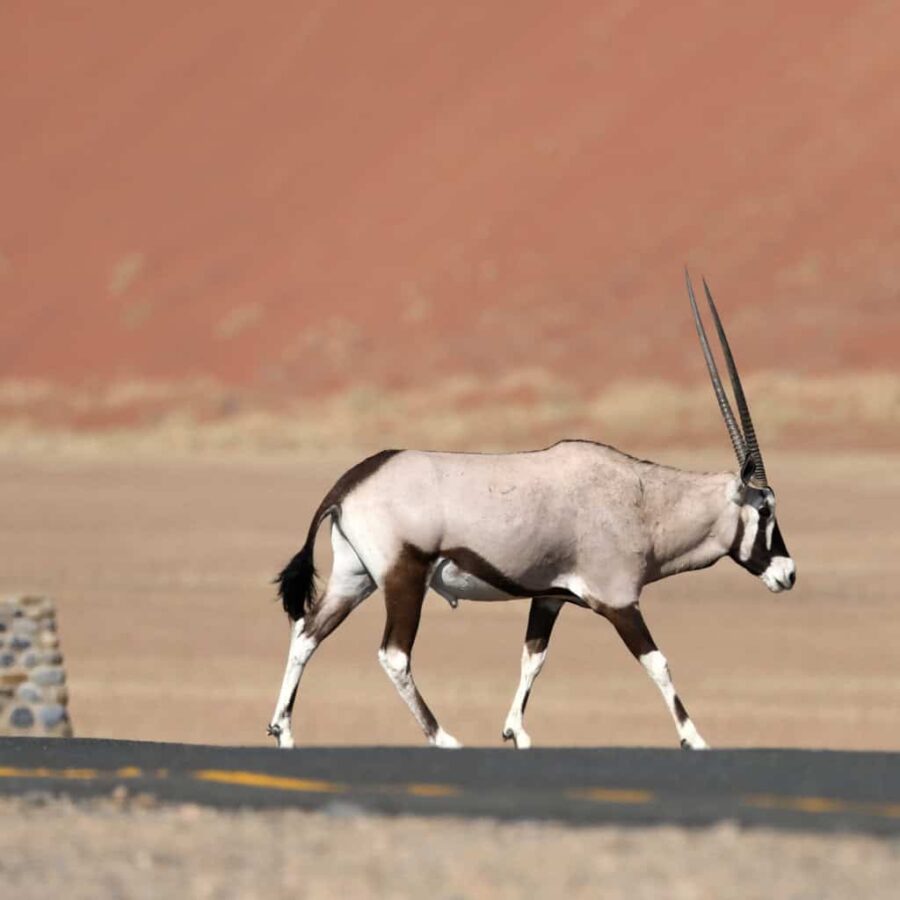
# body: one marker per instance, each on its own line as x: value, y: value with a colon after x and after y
x: 51, y: 657
x: 30, y: 659
x: 29, y: 693
x: 7, y: 660
x: 48, y: 639
x: 19, y: 642
x: 47, y: 675
x: 21, y: 717
x: 39, y: 614
x: 52, y: 714
x: 25, y: 627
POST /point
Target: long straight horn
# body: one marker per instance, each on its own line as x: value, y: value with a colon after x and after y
x: 734, y: 432
x: 759, y: 475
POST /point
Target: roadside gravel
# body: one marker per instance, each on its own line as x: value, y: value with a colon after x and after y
x: 132, y: 848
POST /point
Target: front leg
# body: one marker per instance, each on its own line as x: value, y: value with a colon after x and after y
x: 630, y: 625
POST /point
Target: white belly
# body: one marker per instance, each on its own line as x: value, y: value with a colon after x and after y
x: 453, y: 584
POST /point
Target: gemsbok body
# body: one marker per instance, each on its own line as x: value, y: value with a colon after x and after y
x: 578, y: 523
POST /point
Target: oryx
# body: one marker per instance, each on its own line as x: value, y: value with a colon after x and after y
x: 578, y: 523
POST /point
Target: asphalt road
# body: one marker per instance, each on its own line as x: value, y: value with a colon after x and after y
x: 797, y: 789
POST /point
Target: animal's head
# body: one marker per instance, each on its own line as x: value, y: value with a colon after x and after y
x: 758, y: 545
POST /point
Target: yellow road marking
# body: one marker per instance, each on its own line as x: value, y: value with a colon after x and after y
x: 821, y: 805
x: 74, y: 774
x: 630, y: 796
x: 224, y: 776
x: 432, y: 790
x: 613, y: 795
x: 278, y: 782
x: 86, y: 774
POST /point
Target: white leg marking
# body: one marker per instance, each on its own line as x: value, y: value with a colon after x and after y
x: 657, y: 668
x: 396, y: 663
x: 751, y: 526
x: 445, y: 741
x: 348, y: 585
x: 687, y: 731
x: 532, y: 663
x: 300, y: 650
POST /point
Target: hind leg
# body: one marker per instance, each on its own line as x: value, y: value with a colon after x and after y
x: 404, y: 592
x: 348, y: 585
x: 541, y: 619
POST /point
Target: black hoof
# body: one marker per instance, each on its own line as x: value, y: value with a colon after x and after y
x: 685, y: 745
x: 507, y: 735
x: 273, y: 731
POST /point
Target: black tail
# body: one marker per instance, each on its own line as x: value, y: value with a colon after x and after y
x: 297, y: 580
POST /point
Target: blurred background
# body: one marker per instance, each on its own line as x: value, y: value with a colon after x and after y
x: 455, y: 225
x: 241, y: 246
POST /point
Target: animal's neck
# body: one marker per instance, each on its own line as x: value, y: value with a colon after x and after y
x: 690, y: 518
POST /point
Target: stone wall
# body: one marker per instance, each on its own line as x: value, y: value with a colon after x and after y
x: 33, y: 692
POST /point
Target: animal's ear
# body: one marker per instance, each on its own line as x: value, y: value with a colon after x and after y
x: 748, y: 469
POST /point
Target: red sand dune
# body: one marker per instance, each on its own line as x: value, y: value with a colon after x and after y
x: 299, y: 198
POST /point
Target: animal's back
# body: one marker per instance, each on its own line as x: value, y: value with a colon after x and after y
x: 498, y: 505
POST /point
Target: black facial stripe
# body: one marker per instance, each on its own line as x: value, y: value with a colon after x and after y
x: 760, y: 555
x: 778, y: 545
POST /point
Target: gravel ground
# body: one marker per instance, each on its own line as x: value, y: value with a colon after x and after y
x: 129, y: 849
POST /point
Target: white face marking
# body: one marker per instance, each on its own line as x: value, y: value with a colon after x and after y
x: 770, y: 522
x: 751, y: 526
x: 780, y: 574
